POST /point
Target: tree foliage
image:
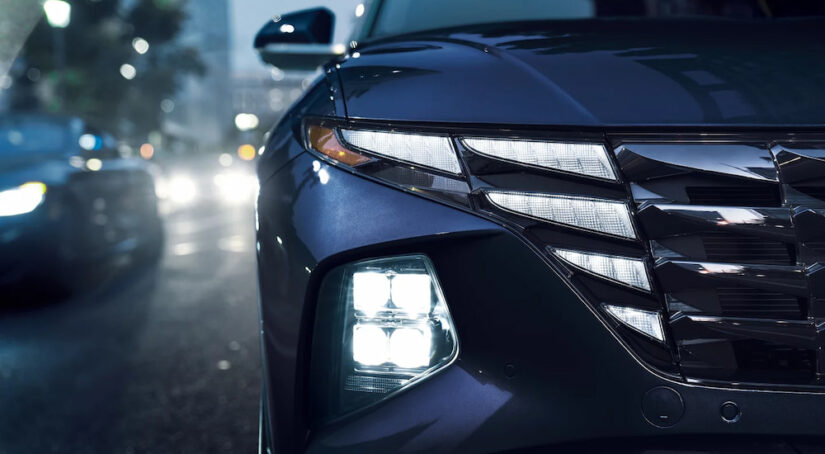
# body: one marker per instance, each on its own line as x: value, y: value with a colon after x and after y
x: 97, y: 43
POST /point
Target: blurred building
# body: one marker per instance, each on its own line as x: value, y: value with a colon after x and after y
x: 267, y: 94
x: 200, y: 115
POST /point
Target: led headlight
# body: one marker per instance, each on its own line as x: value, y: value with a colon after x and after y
x: 236, y: 188
x: 22, y: 199
x: 182, y: 189
x: 385, y: 324
x: 582, y: 158
x: 605, y: 216
x: 427, y: 150
x: 646, y: 322
x: 626, y: 270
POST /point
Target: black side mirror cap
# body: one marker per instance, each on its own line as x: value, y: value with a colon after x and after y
x: 310, y: 26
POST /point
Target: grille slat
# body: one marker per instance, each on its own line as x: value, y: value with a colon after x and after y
x: 722, y: 247
x: 733, y: 259
x: 817, y: 192
x: 755, y: 196
x: 747, y: 302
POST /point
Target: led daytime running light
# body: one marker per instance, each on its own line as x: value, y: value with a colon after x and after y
x: 629, y: 271
x: 599, y: 215
x: 426, y: 150
x: 588, y: 159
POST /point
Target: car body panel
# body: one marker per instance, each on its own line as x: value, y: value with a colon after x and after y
x: 295, y: 249
x: 536, y: 366
x: 596, y: 73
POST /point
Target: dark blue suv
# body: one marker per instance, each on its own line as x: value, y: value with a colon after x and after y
x: 570, y: 226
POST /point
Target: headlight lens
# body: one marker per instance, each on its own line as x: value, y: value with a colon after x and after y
x: 431, y: 151
x: 628, y: 271
x: 386, y: 324
x: 582, y: 158
x: 22, y: 199
x: 606, y: 216
x: 646, y: 322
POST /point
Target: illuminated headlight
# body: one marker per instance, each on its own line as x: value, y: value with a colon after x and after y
x: 182, y: 189
x: 22, y: 199
x: 599, y: 215
x: 646, y: 322
x: 582, y: 158
x: 236, y: 188
x: 426, y: 150
x: 390, y: 329
x: 628, y: 271
x: 397, y: 314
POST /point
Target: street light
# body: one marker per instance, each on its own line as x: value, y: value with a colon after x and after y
x: 59, y: 15
x: 246, y: 121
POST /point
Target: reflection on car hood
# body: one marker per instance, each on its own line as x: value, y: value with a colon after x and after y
x: 597, y: 72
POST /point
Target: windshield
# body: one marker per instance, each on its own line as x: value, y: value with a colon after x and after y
x: 24, y: 137
x: 397, y: 17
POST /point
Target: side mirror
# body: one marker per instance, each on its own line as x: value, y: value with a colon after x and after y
x: 299, y: 40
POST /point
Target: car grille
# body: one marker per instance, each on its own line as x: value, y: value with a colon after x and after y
x: 736, y: 236
x: 732, y: 231
x: 734, y: 196
x: 725, y: 247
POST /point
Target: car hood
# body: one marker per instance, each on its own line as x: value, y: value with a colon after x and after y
x: 596, y: 73
x: 19, y: 171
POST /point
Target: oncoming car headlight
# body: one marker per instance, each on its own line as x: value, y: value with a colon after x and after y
x: 236, y: 187
x: 22, y: 199
x: 181, y: 189
x: 384, y: 324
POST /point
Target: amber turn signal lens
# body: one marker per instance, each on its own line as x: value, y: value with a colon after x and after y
x: 325, y: 141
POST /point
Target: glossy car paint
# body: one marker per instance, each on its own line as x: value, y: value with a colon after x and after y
x: 595, y: 73
x: 537, y: 367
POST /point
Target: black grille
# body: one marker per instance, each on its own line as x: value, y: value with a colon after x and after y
x: 817, y: 192
x: 737, y: 268
x: 753, y: 196
x: 749, y: 302
x: 725, y: 247
x: 820, y: 245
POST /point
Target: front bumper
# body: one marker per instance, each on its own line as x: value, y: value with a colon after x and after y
x: 25, y: 242
x: 537, y: 368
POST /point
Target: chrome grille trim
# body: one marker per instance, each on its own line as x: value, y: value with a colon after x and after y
x: 735, y: 233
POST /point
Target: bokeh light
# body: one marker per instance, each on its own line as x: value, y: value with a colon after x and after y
x: 140, y: 45
x: 246, y: 121
x: 128, y: 71
x: 94, y: 164
x: 58, y: 13
x: 147, y: 151
x: 246, y: 152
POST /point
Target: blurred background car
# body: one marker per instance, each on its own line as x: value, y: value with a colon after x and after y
x: 108, y: 108
x: 69, y: 202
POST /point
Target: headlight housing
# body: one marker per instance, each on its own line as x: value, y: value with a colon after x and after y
x: 22, y: 199
x: 561, y: 192
x: 382, y: 324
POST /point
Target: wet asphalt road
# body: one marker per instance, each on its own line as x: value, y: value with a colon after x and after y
x: 154, y: 359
